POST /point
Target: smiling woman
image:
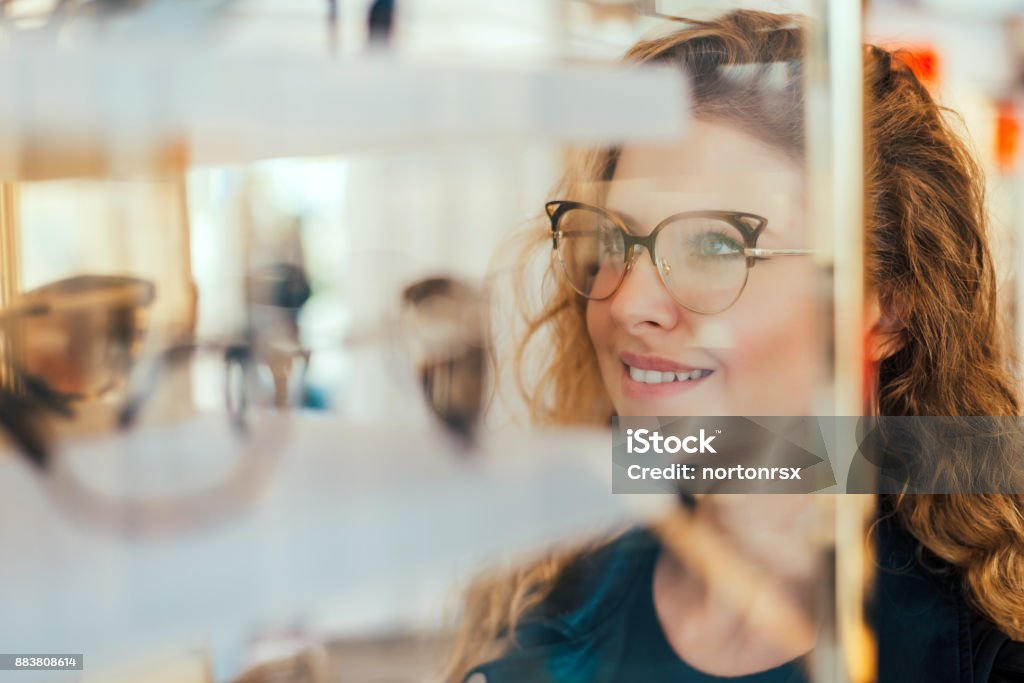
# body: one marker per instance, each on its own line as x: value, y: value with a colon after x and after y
x: 758, y: 302
x: 683, y: 284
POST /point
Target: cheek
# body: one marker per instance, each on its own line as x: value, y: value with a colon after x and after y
x: 601, y: 328
x: 599, y: 325
x: 778, y: 358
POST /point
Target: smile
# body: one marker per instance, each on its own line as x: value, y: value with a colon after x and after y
x: 659, y: 377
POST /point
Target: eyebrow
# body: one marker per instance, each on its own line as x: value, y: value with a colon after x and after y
x: 629, y: 219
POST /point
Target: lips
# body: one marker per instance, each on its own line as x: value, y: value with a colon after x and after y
x: 641, y: 362
x: 651, y: 376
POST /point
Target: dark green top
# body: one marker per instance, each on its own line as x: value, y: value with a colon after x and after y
x: 598, y: 625
x: 647, y: 655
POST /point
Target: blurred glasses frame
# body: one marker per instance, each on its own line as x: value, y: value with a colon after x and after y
x: 446, y: 339
x: 99, y: 320
x: 750, y: 231
x: 37, y: 398
x: 244, y: 356
x: 242, y: 486
x: 162, y: 516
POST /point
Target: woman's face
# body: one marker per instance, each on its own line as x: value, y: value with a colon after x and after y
x: 762, y: 356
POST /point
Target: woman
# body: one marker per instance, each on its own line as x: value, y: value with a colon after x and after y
x: 696, y: 325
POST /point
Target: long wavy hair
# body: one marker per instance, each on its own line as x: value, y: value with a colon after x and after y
x: 927, y: 258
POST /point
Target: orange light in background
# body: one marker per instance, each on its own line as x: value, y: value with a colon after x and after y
x: 924, y: 62
x: 1007, y: 136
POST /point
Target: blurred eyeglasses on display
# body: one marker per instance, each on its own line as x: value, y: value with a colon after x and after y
x: 446, y: 342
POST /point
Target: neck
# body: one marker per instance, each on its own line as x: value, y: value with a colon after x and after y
x: 725, y: 629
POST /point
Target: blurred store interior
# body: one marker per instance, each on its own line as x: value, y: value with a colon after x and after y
x: 253, y: 264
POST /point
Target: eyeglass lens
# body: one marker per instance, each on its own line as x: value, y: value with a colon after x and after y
x: 700, y: 258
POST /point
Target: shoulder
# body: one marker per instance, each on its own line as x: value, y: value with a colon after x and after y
x: 918, y: 612
x: 576, y: 633
x: 997, y: 659
x: 924, y: 626
x: 593, y: 586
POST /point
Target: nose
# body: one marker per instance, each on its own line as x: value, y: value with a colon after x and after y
x: 641, y: 302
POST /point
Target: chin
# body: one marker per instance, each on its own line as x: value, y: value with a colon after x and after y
x: 631, y: 408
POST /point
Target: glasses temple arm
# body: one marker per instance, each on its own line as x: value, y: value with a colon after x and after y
x: 141, y: 393
x: 758, y: 252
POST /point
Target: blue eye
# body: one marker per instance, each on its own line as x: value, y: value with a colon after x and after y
x: 713, y: 243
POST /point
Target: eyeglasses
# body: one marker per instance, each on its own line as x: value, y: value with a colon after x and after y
x: 702, y: 257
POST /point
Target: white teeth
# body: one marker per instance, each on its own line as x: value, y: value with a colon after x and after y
x: 656, y: 377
